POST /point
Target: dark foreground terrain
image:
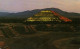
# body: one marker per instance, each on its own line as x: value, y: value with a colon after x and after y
x: 40, y: 36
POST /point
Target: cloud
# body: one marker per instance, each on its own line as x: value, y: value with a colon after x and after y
x: 22, y: 5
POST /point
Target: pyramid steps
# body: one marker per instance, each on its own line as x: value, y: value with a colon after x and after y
x: 47, y: 16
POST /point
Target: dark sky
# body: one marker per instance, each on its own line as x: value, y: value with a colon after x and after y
x: 23, y: 5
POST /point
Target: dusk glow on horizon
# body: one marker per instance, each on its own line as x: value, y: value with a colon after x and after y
x: 24, y: 5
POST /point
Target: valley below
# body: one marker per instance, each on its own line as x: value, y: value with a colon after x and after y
x: 39, y: 36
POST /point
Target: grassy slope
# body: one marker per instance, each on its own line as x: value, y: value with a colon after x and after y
x: 41, y: 42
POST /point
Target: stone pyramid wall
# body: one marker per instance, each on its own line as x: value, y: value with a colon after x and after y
x: 47, y: 16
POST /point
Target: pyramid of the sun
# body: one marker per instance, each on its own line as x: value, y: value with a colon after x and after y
x: 47, y: 15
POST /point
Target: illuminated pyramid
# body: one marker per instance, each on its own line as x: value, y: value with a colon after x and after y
x: 47, y: 16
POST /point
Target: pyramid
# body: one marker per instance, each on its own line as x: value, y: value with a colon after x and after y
x: 47, y: 16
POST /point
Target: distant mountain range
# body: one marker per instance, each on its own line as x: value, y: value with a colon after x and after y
x: 28, y: 13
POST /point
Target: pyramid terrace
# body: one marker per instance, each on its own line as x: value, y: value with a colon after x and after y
x: 47, y: 16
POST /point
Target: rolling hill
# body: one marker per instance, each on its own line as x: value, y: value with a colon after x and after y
x: 32, y: 12
x: 21, y: 16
